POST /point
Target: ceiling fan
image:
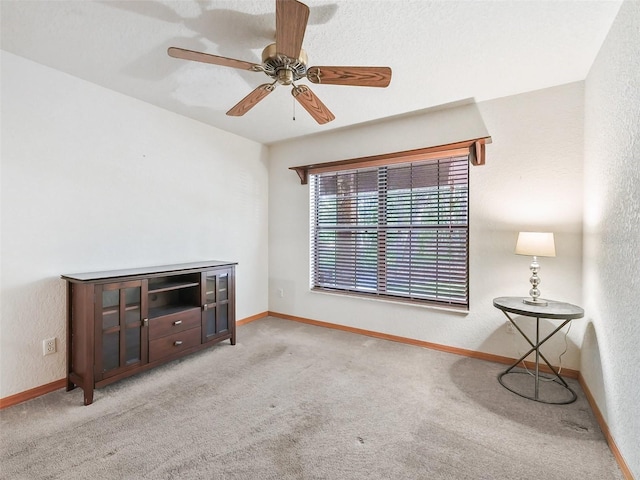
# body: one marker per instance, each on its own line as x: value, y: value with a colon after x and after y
x: 286, y: 62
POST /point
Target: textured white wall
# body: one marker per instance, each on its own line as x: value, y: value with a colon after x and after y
x: 610, y: 353
x: 532, y: 180
x: 93, y: 180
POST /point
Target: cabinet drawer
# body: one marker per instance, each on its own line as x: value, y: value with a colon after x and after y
x: 174, y: 323
x: 172, y: 344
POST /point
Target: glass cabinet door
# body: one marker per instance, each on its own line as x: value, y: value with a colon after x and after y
x: 122, y: 335
x: 215, y: 304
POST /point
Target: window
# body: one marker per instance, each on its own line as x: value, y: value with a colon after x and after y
x: 396, y: 231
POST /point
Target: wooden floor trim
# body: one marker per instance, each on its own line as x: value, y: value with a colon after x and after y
x: 252, y: 318
x: 566, y: 372
x: 626, y: 471
x: 32, y: 393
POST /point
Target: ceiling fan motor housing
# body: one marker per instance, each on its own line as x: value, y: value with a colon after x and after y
x: 285, y: 70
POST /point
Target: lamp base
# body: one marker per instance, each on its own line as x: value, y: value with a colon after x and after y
x: 535, y: 301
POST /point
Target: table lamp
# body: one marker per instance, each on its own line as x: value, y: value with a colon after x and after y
x: 535, y: 244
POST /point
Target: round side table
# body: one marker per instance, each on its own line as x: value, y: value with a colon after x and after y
x: 564, y: 312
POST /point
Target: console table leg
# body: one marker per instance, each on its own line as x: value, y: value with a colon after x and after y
x: 88, y: 396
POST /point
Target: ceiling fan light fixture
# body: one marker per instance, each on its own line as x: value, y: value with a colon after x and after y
x: 285, y: 76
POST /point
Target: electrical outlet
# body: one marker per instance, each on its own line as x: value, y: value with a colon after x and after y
x: 510, y: 328
x: 49, y: 346
x: 281, y: 292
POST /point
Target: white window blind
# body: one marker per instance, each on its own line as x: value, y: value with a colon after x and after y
x: 398, y: 231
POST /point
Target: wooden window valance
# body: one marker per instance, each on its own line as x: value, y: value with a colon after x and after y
x: 475, y: 149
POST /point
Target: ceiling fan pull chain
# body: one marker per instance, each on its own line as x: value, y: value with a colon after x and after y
x: 294, y: 109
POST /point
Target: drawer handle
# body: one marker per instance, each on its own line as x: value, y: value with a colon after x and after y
x: 177, y: 343
x: 177, y: 322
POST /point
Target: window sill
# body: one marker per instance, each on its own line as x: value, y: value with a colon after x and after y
x: 428, y: 306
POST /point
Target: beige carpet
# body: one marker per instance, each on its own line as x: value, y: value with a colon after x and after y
x: 294, y: 401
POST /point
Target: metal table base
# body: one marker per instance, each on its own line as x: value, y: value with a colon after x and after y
x: 555, y: 310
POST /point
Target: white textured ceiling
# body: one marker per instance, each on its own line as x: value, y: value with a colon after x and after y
x: 439, y: 51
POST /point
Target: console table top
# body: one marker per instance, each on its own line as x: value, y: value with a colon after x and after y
x: 130, y: 272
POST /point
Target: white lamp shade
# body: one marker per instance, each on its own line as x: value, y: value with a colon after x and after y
x: 539, y: 244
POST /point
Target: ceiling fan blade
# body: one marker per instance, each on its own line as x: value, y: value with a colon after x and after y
x: 250, y: 101
x: 357, y: 76
x: 291, y: 23
x: 208, y: 58
x: 312, y: 104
